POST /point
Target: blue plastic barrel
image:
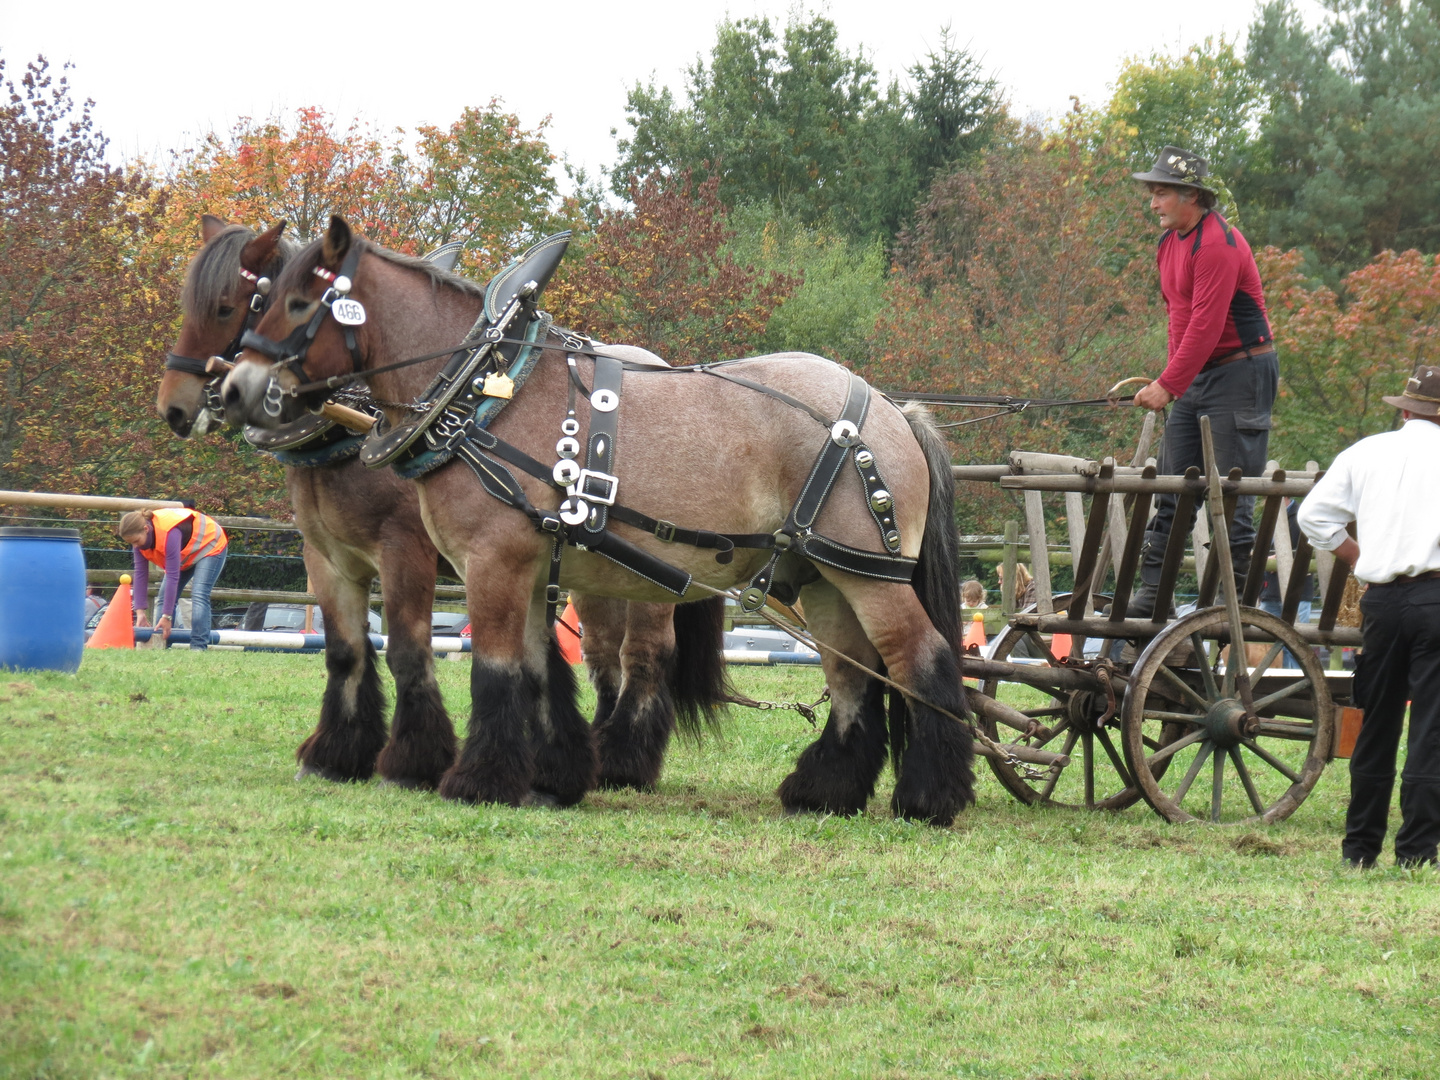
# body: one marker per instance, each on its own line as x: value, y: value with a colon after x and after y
x: 42, y: 599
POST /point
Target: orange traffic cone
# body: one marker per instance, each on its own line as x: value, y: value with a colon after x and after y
x: 1060, y: 646
x: 117, y: 625
x: 975, y: 635
x: 567, y: 630
x: 974, y: 641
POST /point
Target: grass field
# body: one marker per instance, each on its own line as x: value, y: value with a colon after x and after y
x: 173, y: 903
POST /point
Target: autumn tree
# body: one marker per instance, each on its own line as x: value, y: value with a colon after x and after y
x: 1028, y: 274
x: 659, y: 275
x: 1339, y: 357
x: 1205, y: 100
x: 485, y: 181
x: 74, y: 306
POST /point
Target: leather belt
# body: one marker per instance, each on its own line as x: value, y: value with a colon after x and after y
x: 1406, y: 579
x: 1252, y: 353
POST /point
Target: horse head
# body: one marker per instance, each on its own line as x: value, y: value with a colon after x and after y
x: 224, y: 288
x: 323, y: 323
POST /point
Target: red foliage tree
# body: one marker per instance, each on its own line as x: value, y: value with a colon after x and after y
x: 1339, y: 353
x: 659, y: 275
x: 1028, y: 274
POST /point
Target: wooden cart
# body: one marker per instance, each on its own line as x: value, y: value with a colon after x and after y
x: 1155, y: 708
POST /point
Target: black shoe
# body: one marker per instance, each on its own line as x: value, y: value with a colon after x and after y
x: 1142, y: 604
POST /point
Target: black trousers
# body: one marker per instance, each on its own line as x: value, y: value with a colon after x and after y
x: 1237, y: 398
x: 1401, y: 662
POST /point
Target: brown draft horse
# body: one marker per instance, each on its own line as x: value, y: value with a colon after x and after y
x: 358, y: 523
x: 697, y: 450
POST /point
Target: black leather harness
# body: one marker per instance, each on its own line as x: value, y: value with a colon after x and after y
x: 481, y: 375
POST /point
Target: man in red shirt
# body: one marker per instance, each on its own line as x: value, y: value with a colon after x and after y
x: 1222, y: 361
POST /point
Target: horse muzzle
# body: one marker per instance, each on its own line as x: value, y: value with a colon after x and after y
x: 252, y: 394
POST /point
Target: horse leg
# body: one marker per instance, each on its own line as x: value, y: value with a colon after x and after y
x: 633, y: 737
x: 497, y: 761
x: 932, y: 751
x: 351, y: 730
x: 603, y: 621
x: 422, y: 739
x: 836, y: 773
x: 563, y: 744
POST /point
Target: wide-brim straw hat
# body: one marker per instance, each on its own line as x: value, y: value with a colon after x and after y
x: 1178, y: 168
x: 1422, y: 393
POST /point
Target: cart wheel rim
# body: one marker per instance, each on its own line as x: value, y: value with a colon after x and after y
x: 1202, y: 699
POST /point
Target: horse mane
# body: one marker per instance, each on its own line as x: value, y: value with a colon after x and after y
x: 215, y: 272
x: 309, y: 258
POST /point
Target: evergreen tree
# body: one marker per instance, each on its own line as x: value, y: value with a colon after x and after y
x: 1352, y: 126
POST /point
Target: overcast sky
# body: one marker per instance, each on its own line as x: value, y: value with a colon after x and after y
x: 162, y: 72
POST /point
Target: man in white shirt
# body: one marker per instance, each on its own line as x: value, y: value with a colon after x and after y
x: 1389, y: 486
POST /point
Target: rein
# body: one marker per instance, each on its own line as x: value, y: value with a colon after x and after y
x: 1007, y: 404
x: 806, y: 638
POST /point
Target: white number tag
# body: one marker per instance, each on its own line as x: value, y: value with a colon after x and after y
x: 348, y: 312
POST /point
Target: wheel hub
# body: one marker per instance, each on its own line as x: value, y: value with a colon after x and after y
x: 1083, y: 708
x: 1226, y: 723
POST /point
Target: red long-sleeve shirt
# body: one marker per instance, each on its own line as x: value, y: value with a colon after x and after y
x: 1213, y: 293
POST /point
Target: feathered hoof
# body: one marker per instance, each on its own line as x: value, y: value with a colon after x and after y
x: 409, y: 783
x: 936, y: 808
x: 473, y: 787
x: 798, y: 795
x: 544, y: 799
x: 320, y: 772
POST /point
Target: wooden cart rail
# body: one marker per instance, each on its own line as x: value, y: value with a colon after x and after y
x: 1164, y: 691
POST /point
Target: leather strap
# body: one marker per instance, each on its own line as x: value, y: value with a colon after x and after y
x: 865, y: 563
x: 670, y: 533
x: 878, y: 499
x: 600, y: 456
x: 768, y: 391
x: 832, y: 457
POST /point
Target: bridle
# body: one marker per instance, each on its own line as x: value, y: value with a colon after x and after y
x: 290, y: 353
x: 193, y: 365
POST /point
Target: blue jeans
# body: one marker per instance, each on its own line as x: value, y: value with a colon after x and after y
x: 1302, y: 615
x: 202, y: 577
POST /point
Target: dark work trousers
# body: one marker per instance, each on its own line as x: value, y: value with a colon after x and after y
x: 1237, y: 397
x: 1401, y: 661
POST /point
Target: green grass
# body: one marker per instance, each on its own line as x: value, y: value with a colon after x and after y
x: 173, y: 903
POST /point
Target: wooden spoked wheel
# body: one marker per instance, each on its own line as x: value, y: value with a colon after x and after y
x: 1234, y: 765
x: 1070, y: 722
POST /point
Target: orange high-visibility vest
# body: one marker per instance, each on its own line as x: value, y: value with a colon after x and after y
x: 206, y: 537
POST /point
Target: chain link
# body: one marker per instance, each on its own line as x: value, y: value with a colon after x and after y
x: 807, y: 711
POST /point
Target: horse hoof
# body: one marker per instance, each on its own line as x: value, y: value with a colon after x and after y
x: 323, y: 773
x: 536, y: 797
x: 408, y: 783
x: 468, y: 788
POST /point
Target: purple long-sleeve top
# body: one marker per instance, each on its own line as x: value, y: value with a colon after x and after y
x: 141, y: 592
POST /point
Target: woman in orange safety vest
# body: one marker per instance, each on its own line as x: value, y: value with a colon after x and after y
x: 190, y: 548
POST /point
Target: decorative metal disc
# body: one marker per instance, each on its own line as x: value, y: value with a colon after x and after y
x: 605, y: 401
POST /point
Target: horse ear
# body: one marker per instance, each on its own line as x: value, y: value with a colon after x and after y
x: 337, y: 241
x: 210, y: 227
x: 260, y: 252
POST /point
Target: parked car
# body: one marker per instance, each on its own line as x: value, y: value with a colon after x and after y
x: 448, y: 623
x: 266, y: 616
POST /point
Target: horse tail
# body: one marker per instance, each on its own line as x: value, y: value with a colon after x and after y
x: 936, y: 580
x: 699, y: 681
x: 937, y: 575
